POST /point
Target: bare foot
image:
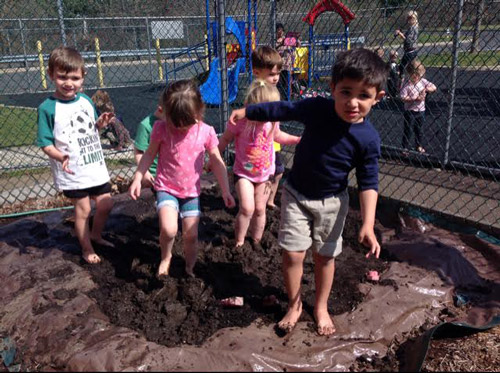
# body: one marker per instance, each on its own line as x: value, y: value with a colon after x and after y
x: 271, y: 206
x: 101, y: 241
x: 324, y: 323
x: 291, y: 318
x: 189, y: 272
x: 164, y: 268
x: 238, y: 245
x: 91, y: 257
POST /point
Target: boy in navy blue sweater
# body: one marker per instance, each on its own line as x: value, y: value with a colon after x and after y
x: 337, y: 138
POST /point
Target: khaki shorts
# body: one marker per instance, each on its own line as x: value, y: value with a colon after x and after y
x: 309, y: 223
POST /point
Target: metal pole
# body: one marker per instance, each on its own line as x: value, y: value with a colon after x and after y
x: 61, y: 21
x: 249, y: 39
x: 224, y: 115
x: 209, y: 40
x: 23, y: 42
x: 273, y: 22
x: 454, y: 68
x: 149, y: 51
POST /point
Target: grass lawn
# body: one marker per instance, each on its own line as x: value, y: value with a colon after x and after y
x: 465, y: 59
x: 17, y: 126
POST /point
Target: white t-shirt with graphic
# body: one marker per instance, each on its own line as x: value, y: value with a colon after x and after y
x: 71, y: 127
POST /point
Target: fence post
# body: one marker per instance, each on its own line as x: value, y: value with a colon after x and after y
x: 453, y: 87
x: 42, y: 67
x: 60, y: 15
x: 158, y: 59
x: 98, y: 62
x: 273, y: 22
x: 149, y: 50
x: 224, y: 115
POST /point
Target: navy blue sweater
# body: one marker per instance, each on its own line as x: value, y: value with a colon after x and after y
x: 329, y: 148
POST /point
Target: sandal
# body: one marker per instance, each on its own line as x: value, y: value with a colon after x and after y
x: 421, y: 150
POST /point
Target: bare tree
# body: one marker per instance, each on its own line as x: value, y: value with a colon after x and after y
x: 477, y: 25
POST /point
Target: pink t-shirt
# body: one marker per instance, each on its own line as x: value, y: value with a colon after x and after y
x: 253, y: 143
x: 181, y: 157
x: 412, y: 91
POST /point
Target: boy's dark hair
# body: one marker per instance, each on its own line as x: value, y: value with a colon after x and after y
x: 280, y: 25
x: 265, y: 57
x: 66, y: 59
x: 182, y: 103
x: 361, y: 64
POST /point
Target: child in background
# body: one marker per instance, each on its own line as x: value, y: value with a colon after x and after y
x: 413, y: 93
x: 337, y: 138
x: 142, y: 138
x: 180, y: 140
x: 266, y: 65
x: 393, y: 80
x: 115, y: 131
x: 68, y: 132
x: 254, y: 162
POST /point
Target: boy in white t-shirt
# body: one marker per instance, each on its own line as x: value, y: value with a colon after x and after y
x: 68, y: 134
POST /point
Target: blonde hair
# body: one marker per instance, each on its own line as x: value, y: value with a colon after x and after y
x: 415, y: 67
x: 261, y: 91
x: 413, y: 14
x: 182, y: 103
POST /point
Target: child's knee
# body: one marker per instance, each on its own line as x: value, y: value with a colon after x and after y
x: 168, y: 232
x: 105, y: 204
x: 190, y: 238
x: 247, y: 211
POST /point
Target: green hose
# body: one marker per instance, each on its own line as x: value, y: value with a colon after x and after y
x: 18, y: 214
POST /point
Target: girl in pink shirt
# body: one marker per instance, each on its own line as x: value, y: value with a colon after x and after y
x: 413, y: 95
x: 181, y: 140
x: 254, y: 162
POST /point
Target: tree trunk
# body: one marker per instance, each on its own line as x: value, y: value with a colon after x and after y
x: 477, y: 25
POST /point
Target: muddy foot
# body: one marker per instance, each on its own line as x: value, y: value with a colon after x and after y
x: 164, y: 268
x: 288, y: 323
x: 324, y: 323
x: 91, y: 257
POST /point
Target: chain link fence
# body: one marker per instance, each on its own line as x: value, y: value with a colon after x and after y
x: 133, y: 48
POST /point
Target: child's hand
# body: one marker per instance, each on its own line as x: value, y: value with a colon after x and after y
x: 228, y: 200
x: 65, y: 165
x: 236, y: 115
x: 135, y: 189
x: 148, y: 179
x: 104, y: 119
x: 367, y: 237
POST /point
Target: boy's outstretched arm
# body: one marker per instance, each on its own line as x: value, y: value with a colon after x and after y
x: 237, y: 115
x: 219, y: 169
x: 143, y: 167
x: 56, y: 154
x: 368, y: 201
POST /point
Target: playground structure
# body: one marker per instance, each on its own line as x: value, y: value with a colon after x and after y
x: 315, y: 60
x: 237, y: 55
x: 322, y: 47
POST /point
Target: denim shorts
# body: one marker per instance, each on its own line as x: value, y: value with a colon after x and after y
x: 186, y: 207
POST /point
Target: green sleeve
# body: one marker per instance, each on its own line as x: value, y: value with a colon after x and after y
x: 45, y: 124
x: 143, y: 133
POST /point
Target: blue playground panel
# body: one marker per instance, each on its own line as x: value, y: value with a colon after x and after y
x: 325, y: 47
x: 211, y: 89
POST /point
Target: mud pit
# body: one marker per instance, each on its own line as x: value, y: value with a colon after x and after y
x: 64, y: 314
x: 181, y: 309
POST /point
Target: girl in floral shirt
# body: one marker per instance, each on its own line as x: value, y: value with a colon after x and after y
x: 254, y: 162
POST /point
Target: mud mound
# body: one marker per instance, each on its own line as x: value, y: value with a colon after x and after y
x: 180, y: 309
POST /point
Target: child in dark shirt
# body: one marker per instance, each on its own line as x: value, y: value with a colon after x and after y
x: 337, y: 138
